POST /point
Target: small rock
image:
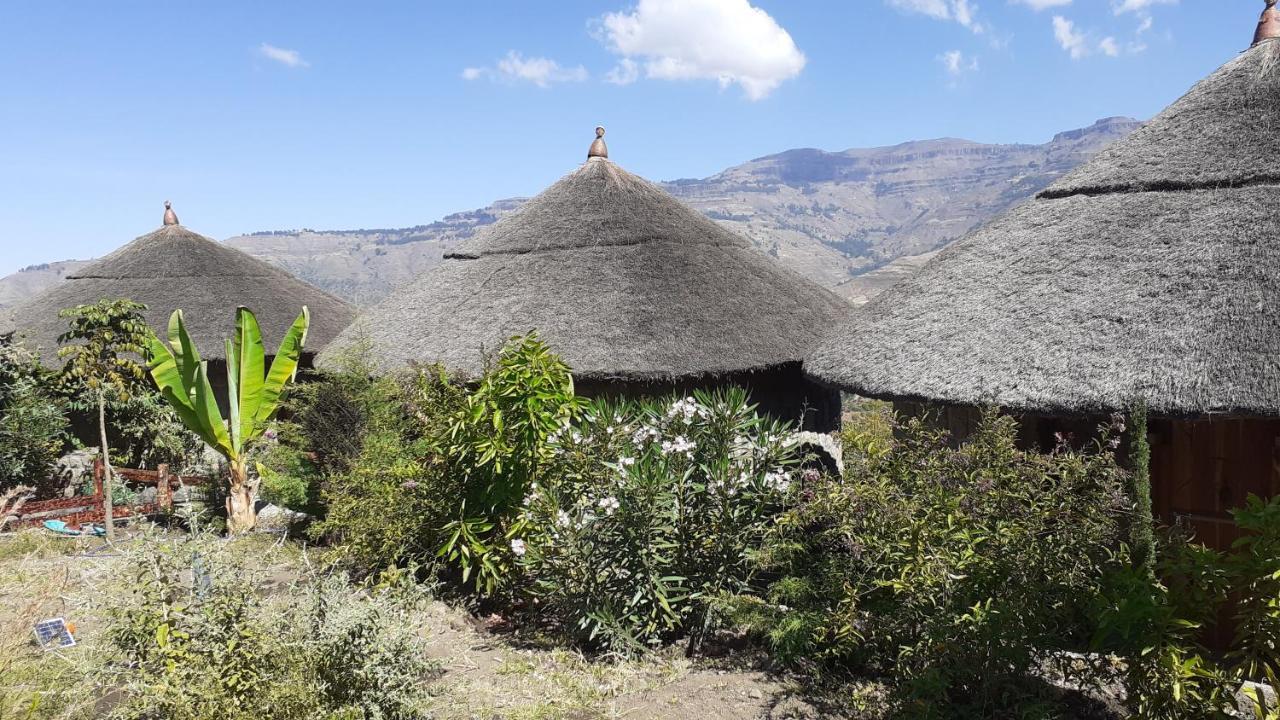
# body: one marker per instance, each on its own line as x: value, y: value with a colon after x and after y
x: 755, y: 694
x: 1246, y: 704
x: 275, y: 519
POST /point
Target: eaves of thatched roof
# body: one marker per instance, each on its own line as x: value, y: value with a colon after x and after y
x: 619, y: 277
x: 175, y: 268
x: 1151, y: 272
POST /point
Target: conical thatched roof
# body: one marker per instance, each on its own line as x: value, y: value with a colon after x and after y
x: 174, y: 268
x: 1152, y: 271
x: 619, y: 277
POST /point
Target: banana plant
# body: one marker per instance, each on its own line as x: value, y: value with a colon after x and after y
x: 253, y: 396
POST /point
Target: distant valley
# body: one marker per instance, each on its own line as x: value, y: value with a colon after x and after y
x: 854, y: 221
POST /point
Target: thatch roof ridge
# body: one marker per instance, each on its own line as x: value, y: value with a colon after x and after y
x: 176, y: 268
x: 597, y: 204
x: 1221, y: 133
x: 1150, y: 273
x: 620, y: 278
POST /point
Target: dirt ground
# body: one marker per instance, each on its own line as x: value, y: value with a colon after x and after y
x: 487, y: 675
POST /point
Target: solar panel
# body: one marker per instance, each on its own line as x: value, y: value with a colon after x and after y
x: 54, y: 634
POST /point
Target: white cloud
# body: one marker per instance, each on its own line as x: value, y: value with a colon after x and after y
x: 1071, y: 39
x: 963, y: 12
x: 539, y: 71
x: 1039, y: 5
x: 1138, y: 6
x: 728, y: 41
x: 289, y: 58
x: 1078, y: 44
x: 626, y: 72
x: 957, y: 63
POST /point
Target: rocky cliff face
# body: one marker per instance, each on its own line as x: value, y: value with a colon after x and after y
x: 854, y: 221
x: 837, y: 216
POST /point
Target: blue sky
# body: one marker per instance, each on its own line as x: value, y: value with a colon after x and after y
x: 333, y: 114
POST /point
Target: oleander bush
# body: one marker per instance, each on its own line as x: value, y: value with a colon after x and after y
x: 652, y: 516
x: 954, y: 572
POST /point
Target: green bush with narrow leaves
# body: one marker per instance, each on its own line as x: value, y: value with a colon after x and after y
x: 652, y: 517
x: 498, y: 447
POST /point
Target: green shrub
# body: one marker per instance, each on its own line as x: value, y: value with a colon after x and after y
x: 952, y: 571
x: 33, y: 422
x: 498, y: 448
x: 389, y: 507
x: 1142, y: 537
x: 186, y: 627
x: 193, y: 640
x: 1158, y: 626
x: 331, y: 411
x: 652, y: 516
x: 359, y: 658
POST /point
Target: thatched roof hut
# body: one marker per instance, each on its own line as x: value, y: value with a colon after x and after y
x: 175, y: 268
x: 1150, y: 273
x: 630, y: 286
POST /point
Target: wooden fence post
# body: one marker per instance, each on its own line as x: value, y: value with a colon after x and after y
x: 164, y: 493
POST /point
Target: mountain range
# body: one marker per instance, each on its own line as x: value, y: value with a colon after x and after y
x: 854, y: 221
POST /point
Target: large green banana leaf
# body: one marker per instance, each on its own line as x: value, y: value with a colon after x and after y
x: 253, y: 394
x: 284, y: 368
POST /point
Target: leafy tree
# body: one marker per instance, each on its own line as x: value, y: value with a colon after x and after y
x: 98, y: 349
x: 253, y: 396
x: 33, y: 422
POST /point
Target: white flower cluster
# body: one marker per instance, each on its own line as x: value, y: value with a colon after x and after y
x: 644, y: 434
x: 680, y: 444
x: 517, y: 547
x: 686, y: 409
x: 729, y: 489
x: 608, y: 505
x: 777, y: 480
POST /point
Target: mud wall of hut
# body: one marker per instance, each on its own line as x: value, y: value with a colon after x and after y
x: 783, y: 392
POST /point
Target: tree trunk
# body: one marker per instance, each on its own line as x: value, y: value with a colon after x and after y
x: 108, y: 510
x: 241, y: 493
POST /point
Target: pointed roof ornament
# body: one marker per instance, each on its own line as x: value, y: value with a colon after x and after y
x: 170, y: 217
x: 1268, y: 24
x: 598, y: 148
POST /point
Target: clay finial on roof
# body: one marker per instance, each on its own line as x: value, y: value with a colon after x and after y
x: 1268, y: 24
x: 598, y: 148
x: 170, y: 217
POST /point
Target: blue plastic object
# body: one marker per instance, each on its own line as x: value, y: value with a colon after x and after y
x: 59, y: 527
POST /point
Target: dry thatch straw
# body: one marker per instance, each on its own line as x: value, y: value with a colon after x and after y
x: 1152, y: 271
x: 174, y: 268
x: 619, y: 277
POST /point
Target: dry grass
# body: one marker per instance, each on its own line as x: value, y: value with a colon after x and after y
x: 486, y: 675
